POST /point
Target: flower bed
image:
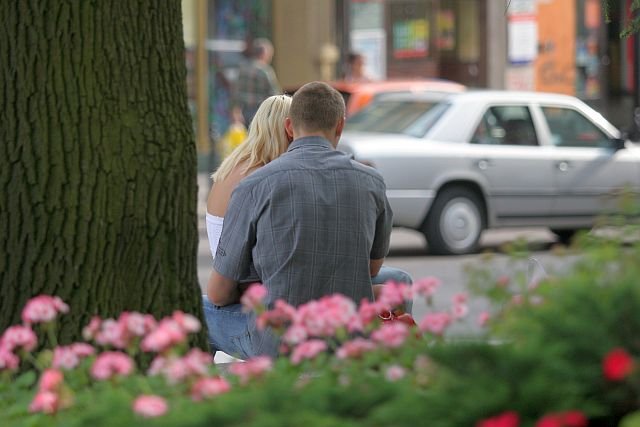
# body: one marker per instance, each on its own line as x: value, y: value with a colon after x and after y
x: 566, y: 358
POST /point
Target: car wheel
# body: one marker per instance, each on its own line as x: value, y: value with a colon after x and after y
x: 565, y: 236
x: 455, y: 222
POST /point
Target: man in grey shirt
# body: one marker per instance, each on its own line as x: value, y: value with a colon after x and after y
x: 313, y: 222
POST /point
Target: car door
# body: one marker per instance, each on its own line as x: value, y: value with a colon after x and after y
x: 588, y: 172
x: 506, y: 151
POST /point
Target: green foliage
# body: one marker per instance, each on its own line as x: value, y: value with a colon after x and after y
x: 633, y: 24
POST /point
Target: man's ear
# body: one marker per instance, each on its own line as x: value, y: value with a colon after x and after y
x: 340, y: 128
x: 288, y: 128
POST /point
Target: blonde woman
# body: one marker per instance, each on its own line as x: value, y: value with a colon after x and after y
x: 266, y: 141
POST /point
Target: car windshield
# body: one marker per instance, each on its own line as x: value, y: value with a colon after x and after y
x: 413, y: 117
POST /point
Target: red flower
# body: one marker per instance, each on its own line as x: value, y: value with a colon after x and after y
x: 575, y: 419
x: 506, y: 419
x: 563, y: 419
x: 551, y: 420
x: 617, y: 364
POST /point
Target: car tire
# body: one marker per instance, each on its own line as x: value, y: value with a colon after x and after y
x: 565, y: 236
x: 455, y: 222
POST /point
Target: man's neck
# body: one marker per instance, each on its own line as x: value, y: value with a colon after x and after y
x: 325, y: 135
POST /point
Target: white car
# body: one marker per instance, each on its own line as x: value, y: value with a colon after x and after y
x: 462, y: 163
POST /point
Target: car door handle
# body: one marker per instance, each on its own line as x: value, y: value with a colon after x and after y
x: 563, y: 166
x: 483, y: 164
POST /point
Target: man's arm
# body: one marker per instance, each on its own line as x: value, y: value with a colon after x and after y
x: 222, y: 290
x: 374, y: 266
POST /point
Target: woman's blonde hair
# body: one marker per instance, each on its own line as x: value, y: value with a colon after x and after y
x: 265, y: 141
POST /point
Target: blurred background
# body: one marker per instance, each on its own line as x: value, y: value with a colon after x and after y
x: 562, y: 46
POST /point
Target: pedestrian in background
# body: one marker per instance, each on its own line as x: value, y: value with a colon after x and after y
x: 355, y: 68
x: 256, y: 82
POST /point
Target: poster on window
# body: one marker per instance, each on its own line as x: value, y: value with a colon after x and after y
x: 446, y: 39
x: 410, y: 39
x: 523, y: 39
x: 409, y: 30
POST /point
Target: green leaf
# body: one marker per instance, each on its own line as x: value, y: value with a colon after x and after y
x: 631, y: 420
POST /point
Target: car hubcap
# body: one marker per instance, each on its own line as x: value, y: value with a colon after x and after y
x: 460, y: 224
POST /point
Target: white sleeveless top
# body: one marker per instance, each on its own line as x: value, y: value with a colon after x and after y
x: 214, y: 230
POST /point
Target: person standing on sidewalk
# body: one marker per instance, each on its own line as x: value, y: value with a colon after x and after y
x: 256, y: 82
x: 313, y: 222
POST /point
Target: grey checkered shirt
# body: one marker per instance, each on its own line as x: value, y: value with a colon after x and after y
x: 309, y: 222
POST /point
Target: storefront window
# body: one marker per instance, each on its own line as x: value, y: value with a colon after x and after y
x: 410, y: 30
x: 368, y: 36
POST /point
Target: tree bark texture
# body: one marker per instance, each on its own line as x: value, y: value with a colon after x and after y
x: 97, y: 159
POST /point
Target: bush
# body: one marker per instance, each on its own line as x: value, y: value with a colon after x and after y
x: 561, y: 354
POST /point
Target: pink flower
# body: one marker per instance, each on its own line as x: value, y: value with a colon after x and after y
x: 483, y: 318
x: 369, y: 311
x: 111, y: 363
x: 188, y: 323
x: 355, y: 349
x: 435, y: 323
x: 42, y: 309
x: 393, y: 294
x: 281, y: 316
x: 19, y: 337
x: 209, y: 387
x: 505, y: 419
x: 391, y: 334
x: 69, y: 357
x: 46, y: 402
x: 82, y: 349
x: 157, y: 365
x: 252, y: 368
x: 51, y: 380
x: 8, y: 360
x: 177, y: 369
x: 198, y: 361
x: 150, y: 406
x: 295, y: 335
x: 617, y: 364
x: 426, y: 287
x: 65, y: 358
x: 460, y: 298
x: 89, y: 332
x: 394, y: 373
x: 324, y: 317
x: 458, y: 311
x: 307, y: 350
x: 112, y: 333
x: 253, y: 297
x: 168, y: 334
x: 136, y: 324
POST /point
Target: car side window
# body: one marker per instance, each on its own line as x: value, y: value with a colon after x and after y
x: 506, y: 125
x: 569, y: 128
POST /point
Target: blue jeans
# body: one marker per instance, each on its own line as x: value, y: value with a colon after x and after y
x: 396, y: 275
x: 228, y: 329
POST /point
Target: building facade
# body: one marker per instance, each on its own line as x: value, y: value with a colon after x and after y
x: 563, y: 46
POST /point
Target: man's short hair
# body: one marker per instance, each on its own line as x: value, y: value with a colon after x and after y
x: 316, y: 106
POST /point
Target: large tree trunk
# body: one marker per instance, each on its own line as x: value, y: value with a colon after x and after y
x: 97, y: 159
